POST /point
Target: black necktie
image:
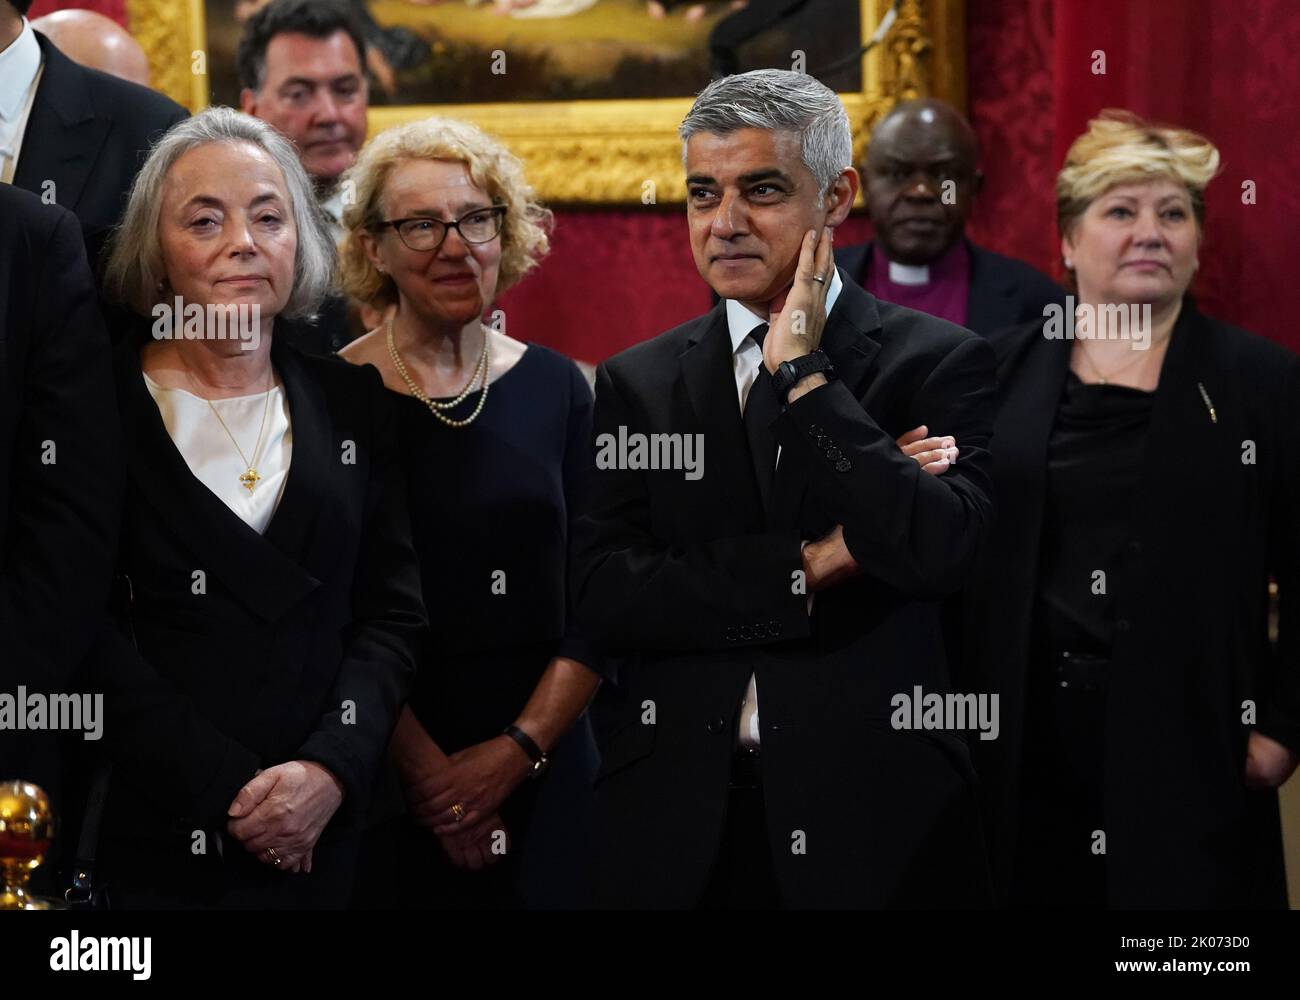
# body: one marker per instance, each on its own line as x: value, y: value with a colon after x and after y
x: 761, y: 411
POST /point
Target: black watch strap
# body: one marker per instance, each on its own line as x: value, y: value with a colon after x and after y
x: 789, y: 373
x: 535, y: 753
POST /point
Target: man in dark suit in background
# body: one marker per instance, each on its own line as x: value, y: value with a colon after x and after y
x: 302, y: 67
x: 768, y: 598
x: 71, y: 135
x: 61, y: 475
x: 921, y: 178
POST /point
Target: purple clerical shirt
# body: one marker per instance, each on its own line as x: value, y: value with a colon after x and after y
x: 943, y: 295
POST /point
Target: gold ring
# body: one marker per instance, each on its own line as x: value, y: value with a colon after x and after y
x: 458, y: 811
x: 819, y: 278
x: 275, y: 858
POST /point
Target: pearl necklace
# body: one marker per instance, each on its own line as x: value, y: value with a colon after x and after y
x: 435, y: 407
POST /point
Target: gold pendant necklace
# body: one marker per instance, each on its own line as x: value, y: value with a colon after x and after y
x: 480, y: 371
x: 249, y: 478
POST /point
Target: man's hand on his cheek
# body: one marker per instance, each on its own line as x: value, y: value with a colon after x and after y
x: 797, y: 329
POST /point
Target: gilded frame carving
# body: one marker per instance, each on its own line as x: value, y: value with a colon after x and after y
x: 603, y: 152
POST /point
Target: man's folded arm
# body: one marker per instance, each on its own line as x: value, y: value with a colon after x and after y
x: 918, y: 533
x: 631, y: 590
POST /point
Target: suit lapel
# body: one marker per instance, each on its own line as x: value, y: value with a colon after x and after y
x: 63, y: 136
x: 308, y: 489
x: 849, y: 337
x: 1181, y: 425
x: 1036, y: 371
x: 710, y: 387
x: 257, y: 574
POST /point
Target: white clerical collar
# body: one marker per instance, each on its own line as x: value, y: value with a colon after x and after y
x: 332, y: 205
x: 741, y: 322
x: 906, y: 274
x: 19, y: 63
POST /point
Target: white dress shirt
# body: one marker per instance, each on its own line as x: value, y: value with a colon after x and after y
x: 746, y: 356
x: 20, y: 73
x: 332, y: 205
x: 212, y: 457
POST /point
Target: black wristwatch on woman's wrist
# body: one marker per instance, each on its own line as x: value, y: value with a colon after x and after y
x: 535, y: 753
x: 789, y: 373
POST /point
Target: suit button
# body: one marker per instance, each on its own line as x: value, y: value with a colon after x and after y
x: 730, y: 634
x: 843, y: 465
x: 822, y: 440
x: 716, y: 725
x: 1122, y: 625
x: 814, y: 430
x: 745, y: 633
x: 834, y: 454
x: 760, y: 631
x: 773, y: 629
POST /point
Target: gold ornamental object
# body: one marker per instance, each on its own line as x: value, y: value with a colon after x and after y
x: 27, y: 829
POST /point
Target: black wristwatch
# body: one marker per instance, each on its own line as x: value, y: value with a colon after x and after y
x: 789, y: 373
x: 535, y: 753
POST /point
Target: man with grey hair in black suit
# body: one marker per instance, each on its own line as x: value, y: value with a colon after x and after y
x: 769, y: 603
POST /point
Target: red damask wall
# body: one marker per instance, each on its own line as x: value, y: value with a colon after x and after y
x: 116, y: 9
x: 1226, y: 68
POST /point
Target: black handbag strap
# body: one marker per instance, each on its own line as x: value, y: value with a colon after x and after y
x: 83, y: 889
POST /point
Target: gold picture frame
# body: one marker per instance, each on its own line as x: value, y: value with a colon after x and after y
x: 608, y: 152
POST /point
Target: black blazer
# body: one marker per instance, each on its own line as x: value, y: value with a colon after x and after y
x: 88, y: 134
x: 1191, y: 609
x: 59, y: 508
x: 1003, y: 291
x: 689, y: 584
x: 302, y: 646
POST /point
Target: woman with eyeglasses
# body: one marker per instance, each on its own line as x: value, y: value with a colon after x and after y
x: 494, y: 753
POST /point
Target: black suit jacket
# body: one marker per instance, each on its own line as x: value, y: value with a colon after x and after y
x: 301, y: 645
x: 1003, y: 291
x: 695, y: 590
x: 1191, y: 613
x: 88, y: 134
x: 326, y: 333
x: 60, y: 468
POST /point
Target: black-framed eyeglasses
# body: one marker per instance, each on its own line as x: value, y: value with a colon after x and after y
x: 479, y: 226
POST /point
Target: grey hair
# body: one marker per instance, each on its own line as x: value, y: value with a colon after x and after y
x: 781, y: 101
x: 135, y: 269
